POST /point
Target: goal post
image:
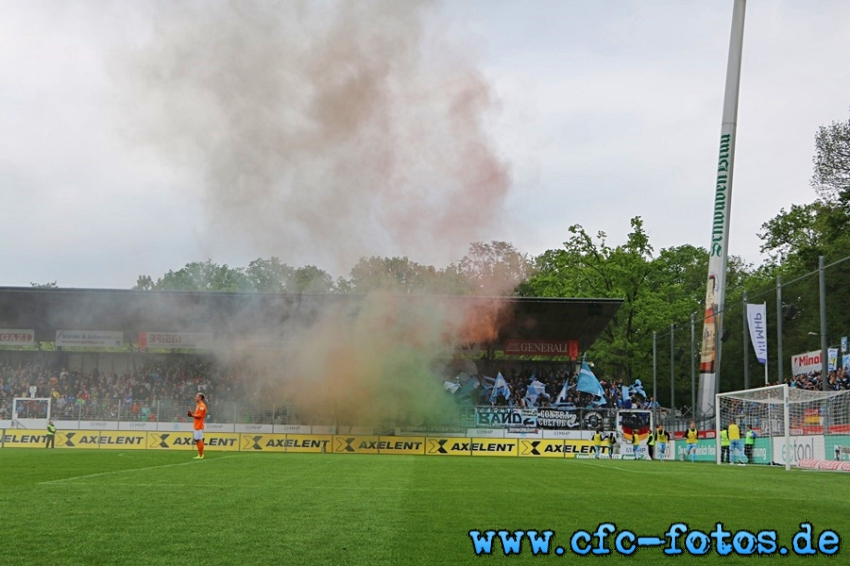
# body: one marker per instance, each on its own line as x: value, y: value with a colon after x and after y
x: 790, y: 424
x: 31, y: 412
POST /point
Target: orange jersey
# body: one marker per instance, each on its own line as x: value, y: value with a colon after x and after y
x: 199, y: 415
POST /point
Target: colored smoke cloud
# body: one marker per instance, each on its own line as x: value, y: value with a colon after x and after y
x: 331, y: 131
x: 321, y: 130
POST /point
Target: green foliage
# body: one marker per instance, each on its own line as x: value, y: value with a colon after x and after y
x: 310, y: 279
x: 269, y: 275
x: 795, y: 240
x: 797, y: 237
x: 487, y: 269
x: 197, y: 276
x: 655, y: 291
x: 832, y: 162
x: 494, y: 269
x: 396, y: 274
x: 261, y: 275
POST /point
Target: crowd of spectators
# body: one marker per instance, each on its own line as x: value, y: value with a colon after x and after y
x: 838, y: 380
x: 154, y: 384
x: 519, y: 379
x: 160, y: 388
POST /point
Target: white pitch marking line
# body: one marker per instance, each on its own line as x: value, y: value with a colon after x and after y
x: 385, y: 488
x: 71, y: 479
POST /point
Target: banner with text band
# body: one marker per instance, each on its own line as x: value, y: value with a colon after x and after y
x: 90, y: 338
x: 17, y: 337
x: 757, y: 321
x: 176, y: 340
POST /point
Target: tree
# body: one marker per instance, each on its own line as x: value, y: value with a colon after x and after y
x: 796, y: 239
x: 261, y: 275
x: 589, y: 268
x: 311, y: 279
x: 197, y: 276
x: 832, y: 163
x: 144, y: 283
x: 50, y: 285
x: 396, y: 275
x: 496, y: 268
x: 269, y: 275
x: 657, y: 291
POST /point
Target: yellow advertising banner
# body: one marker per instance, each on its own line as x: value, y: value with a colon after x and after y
x: 262, y: 442
x: 401, y: 445
x: 216, y: 441
x: 339, y: 444
x: 583, y: 447
x: 356, y: 444
x: 108, y: 439
x: 24, y: 439
x: 315, y: 443
x: 494, y: 446
x: 541, y: 448
x: 308, y: 442
x: 447, y: 447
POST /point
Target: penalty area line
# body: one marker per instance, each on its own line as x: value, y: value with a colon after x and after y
x: 101, y: 474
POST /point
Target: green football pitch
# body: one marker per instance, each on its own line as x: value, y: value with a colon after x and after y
x: 141, y: 507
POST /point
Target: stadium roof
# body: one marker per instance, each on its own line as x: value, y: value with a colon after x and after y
x: 48, y: 310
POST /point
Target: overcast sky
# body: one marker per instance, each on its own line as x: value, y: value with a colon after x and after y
x: 592, y: 113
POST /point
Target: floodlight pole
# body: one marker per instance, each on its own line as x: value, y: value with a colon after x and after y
x: 718, y: 250
x: 672, y: 371
x: 693, y: 368
x: 655, y: 374
x: 824, y: 353
x: 779, y: 316
x: 746, y: 347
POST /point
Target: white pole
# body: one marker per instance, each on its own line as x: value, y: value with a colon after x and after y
x: 717, y: 429
x: 718, y: 251
x: 769, y: 429
x: 787, y: 417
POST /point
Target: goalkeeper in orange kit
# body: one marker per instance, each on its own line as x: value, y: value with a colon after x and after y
x: 199, y: 415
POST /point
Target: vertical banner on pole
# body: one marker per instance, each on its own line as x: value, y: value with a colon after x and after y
x: 718, y: 250
x: 757, y: 321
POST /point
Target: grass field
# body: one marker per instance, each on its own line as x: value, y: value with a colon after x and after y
x: 142, y: 507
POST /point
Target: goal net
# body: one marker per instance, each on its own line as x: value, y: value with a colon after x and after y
x: 787, y: 425
x: 30, y: 413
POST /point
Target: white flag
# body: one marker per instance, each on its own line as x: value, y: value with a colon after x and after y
x: 757, y: 319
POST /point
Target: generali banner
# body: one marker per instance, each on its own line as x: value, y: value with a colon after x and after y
x: 17, y: 337
x: 564, y: 348
x: 176, y: 340
x: 802, y: 364
x: 90, y: 338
